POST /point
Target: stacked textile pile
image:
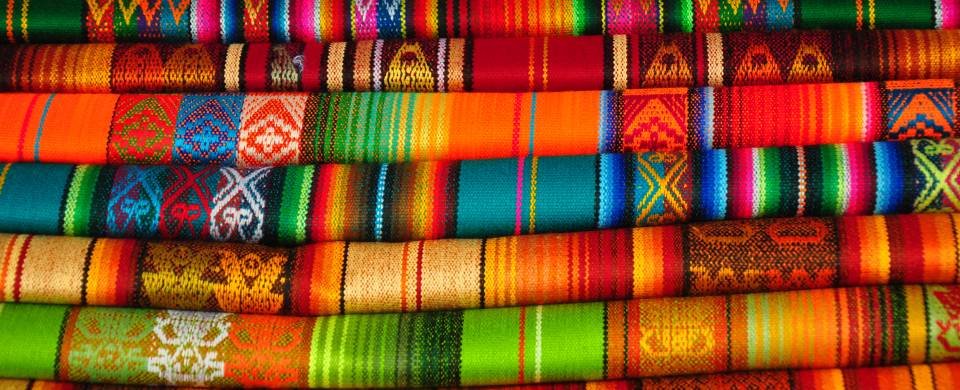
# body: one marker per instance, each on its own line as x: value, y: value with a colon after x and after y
x: 556, y: 194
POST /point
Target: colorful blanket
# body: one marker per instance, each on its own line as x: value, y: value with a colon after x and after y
x: 295, y: 128
x: 614, y: 62
x: 476, y: 198
x: 844, y: 327
x: 358, y: 277
x: 338, y: 20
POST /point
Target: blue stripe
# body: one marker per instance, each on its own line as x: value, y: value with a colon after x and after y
x: 43, y: 118
x: 612, y: 190
x: 607, y: 127
x: 280, y: 20
x: 889, y: 191
x: 779, y: 18
x: 705, y: 130
x: 378, y: 216
x: 713, y: 183
x: 228, y: 21
x: 533, y: 120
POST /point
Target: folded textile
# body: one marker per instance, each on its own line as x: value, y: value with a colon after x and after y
x: 356, y: 277
x: 915, y: 377
x: 338, y: 20
x: 477, y: 198
x: 296, y: 128
x: 487, y: 64
x: 845, y: 327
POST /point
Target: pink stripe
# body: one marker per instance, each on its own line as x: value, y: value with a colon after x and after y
x: 872, y: 127
x: 858, y: 182
x: 25, y: 126
x: 301, y: 20
x: 951, y: 14
x: 518, y: 224
x: 743, y: 190
x: 207, y: 15
x: 366, y: 24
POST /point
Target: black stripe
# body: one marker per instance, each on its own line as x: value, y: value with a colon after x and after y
x: 63, y: 332
x: 483, y: 269
x: 343, y: 277
x: 608, y: 62
x: 140, y: 297
x: 62, y: 209
x: 349, y: 57
x: 467, y: 64
x: 596, y: 191
x: 86, y: 271
x: 453, y: 192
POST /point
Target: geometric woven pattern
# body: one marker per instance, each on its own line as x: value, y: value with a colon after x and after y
x: 487, y: 64
x: 357, y: 277
x: 339, y: 20
x: 849, y: 327
x: 482, y: 198
x: 263, y: 129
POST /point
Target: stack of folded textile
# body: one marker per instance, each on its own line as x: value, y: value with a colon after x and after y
x: 443, y: 193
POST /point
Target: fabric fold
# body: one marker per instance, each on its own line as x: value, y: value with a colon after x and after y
x: 612, y: 62
x: 339, y: 20
x: 358, y: 277
x: 269, y: 129
x: 844, y: 327
x: 477, y: 198
x: 913, y: 377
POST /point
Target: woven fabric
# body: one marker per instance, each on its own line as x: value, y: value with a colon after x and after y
x: 477, y: 198
x: 845, y: 327
x: 913, y: 377
x: 614, y: 62
x: 357, y: 277
x: 921, y: 376
x: 340, y: 20
x: 294, y: 128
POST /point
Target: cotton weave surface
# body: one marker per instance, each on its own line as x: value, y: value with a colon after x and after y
x: 339, y: 20
x: 296, y: 128
x: 914, y: 377
x: 845, y: 327
x: 357, y: 277
x: 477, y: 198
x: 614, y: 62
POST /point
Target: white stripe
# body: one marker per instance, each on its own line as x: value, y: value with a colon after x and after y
x: 378, y: 212
x: 538, y: 345
x: 938, y: 14
x: 867, y: 113
x: 327, y: 347
x: 377, y: 54
x: 708, y: 116
x: 441, y: 64
x: 714, y: 59
x: 758, y: 182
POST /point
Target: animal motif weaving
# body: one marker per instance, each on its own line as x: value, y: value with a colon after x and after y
x: 842, y: 327
x: 270, y: 129
x: 339, y: 20
x: 613, y: 62
x: 478, y: 198
x: 360, y: 277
